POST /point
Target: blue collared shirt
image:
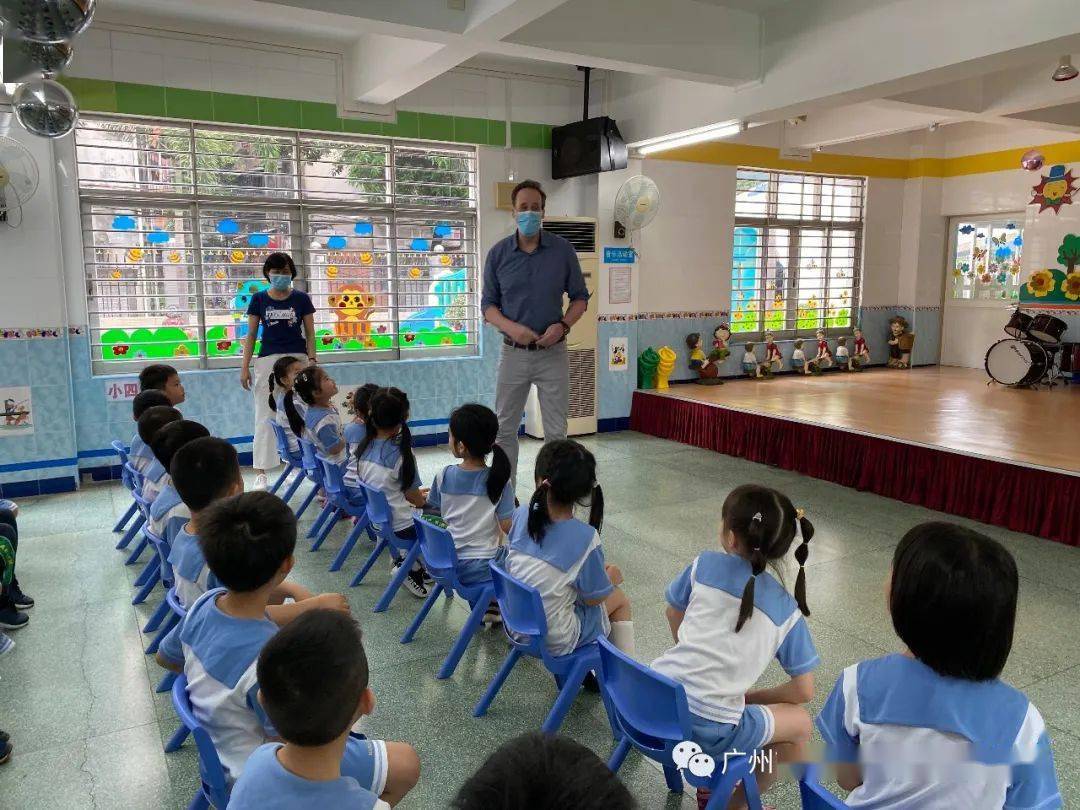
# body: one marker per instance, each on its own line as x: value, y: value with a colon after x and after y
x: 528, y: 287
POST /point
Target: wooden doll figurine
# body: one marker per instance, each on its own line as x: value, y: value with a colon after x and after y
x: 861, y: 357
x: 750, y: 362
x: 798, y: 359
x: 824, y: 357
x: 901, y: 342
x: 721, y: 336
x: 708, y: 372
x: 774, y: 361
x: 843, y: 359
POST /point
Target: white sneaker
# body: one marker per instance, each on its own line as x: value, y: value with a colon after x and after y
x: 414, y: 583
x: 260, y: 482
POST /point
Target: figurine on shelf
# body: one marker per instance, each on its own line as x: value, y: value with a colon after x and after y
x: 843, y: 358
x: 824, y: 357
x: 798, y: 359
x: 708, y: 372
x: 901, y: 342
x: 774, y: 361
x: 750, y: 365
x: 861, y: 357
x: 721, y: 335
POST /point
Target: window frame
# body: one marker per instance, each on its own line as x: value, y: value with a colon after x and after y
x: 299, y: 209
x: 954, y: 223
x: 769, y: 222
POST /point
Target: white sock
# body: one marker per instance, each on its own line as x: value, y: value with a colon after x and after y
x: 622, y: 636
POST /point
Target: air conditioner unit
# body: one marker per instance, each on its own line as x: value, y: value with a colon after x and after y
x: 583, y: 340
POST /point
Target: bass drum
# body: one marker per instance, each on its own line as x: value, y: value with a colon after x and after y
x: 1016, y: 362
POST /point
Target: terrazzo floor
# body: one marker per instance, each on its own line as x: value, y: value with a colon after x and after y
x: 77, y: 692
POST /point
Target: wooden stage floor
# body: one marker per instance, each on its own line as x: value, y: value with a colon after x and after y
x: 945, y: 408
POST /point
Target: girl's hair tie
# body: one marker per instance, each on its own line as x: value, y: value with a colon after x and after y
x: 757, y: 518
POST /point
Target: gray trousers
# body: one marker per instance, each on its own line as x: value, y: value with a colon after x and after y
x: 519, y: 369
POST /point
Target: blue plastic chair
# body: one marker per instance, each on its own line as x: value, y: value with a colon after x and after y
x: 382, y: 519
x: 213, y: 790
x: 337, y: 497
x: 649, y: 712
x: 526, y: 625
x: 142, y: 511
x: 313, y: 472
x: 125, y: 478
x: 151, y: 574
x: 162, y: 618
x: 291, y: 459
x: 814, y: 796
x: 440, y: 559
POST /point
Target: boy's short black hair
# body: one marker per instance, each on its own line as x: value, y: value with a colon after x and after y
x: 155, y: 376
x: 204, y: 470
x: 172, y: 437
x: 953, y: 599
x: 543, y: 772
x: 155, y: 418
x: 246, y: 538
x: 311, y: 675
x: 144, y: 400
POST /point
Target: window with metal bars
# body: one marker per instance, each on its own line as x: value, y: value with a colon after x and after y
x: 797, y: 252
x: 178, y: 218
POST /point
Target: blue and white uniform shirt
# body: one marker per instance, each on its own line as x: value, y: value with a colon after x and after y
x: 267, y: 785
x: 323, y: 429
x: 380, y: 468
x: 471, y: 518
x: 937, y: 743
x: 191, y: 574
x: 140, y: 455
x: 567, y: 568
x: 281, y: 418
x: 168, y: 514
x: 716, y: 665
x: 156, y: 479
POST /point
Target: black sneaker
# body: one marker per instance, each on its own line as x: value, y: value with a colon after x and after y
x: 590, y: 684
x: 5, y: 751
x: 493, y: 616
x: 414, y: 583
x: 4, y: 737
x: 21, y: 600
x: 11, y: 618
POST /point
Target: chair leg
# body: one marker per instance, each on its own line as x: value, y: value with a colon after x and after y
x: 295, y: 485
x: 496, y: 683
x: 398, y: 578
x: 149, y: 585
x: 132, y: 530
x: 618, y: 756
x: 675, y: 782
x: 752, y: 792
x: 133, y: 557
x: 347, y: 546
x: 307, y: 501
x: 429, y: 603
x: 375, y: 552
x: 131, y: 510
x: 567, y: 695
x: 327, y: 510
x: 166, y: 683
x: 177, y: 739
x: 199, y: 802
x: 472, y: 624
x: 147, y: 571
x: 166, y: 628
x: 158, y: 616
x: 328, y: 519
x: 281, y: 479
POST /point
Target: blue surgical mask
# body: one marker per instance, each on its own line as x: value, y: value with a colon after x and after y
x: 280, y: 283
x: 528, y: 222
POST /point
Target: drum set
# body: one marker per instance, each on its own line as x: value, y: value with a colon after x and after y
x: 1031, y: 355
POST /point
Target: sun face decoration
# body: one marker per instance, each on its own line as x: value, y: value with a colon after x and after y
x: 365, y: 258
x: 1040, y: 283
x: 445, y: 260
x: 1054, y: 190
x: 175, y: 256
x: 236, y: 256
x: 1071, y: 286
x: 331, y: 271
x: 116, y: 274
x: 135, y: 254
x: 219, y: 274
x: 415, y: 272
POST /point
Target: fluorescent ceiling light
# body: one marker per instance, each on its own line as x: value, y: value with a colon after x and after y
x: 701, y: 135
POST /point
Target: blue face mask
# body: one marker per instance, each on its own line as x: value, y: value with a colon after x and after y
x: 280, y: 283
x: 528, y: 222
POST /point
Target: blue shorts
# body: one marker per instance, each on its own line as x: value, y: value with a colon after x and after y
x: 477, y: 572
x: 753, y: 732
x: 594, y: 623
x: 365, y: 761
x: 748, y: 367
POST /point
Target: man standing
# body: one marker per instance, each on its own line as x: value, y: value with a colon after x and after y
x: 525, y: 277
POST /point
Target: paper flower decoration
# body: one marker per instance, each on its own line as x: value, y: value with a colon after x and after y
x: 123, y: 223
x: 181, y: 351
x: 258, y: 240
x: 336, y: 243
x: 157, y: 237
x: 1071, y: 286
x: 1040, y: 283
x: 1002, y: 254
x: 365, y: 258
x: 363, y: 228
x: 224, y: 345
x: 1018, y: 241
x: 228, y: 227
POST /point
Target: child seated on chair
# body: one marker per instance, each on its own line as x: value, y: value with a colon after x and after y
x: 249, y: 540
x: 354, y: 430
x: 729, y: 618
x: 320, y: 422
x: 543, y: 771
x: 313, y: 685
x: 154, y: 419
x: 168, y: 512
x: 281, y: 385
x: 140, y: 455
x: 385, y: 461
x: 561, y: 556
x: 934, y: 726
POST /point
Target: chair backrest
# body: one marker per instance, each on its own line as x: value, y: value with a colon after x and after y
x: 214, y: 785
x: 333, y: 478
x: 438, y: 550
x: 814, y: 796
x: 161, y: 548
x: 282, y: 440
x: 378, y: 508
x: 144, y: 504
x: 522, y: 609
x: 121, y: 451
x: 311, y: 460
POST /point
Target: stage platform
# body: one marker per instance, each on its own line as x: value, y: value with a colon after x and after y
x: 940, y: 437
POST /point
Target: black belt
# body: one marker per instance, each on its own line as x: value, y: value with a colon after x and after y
x: 529, y: 347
